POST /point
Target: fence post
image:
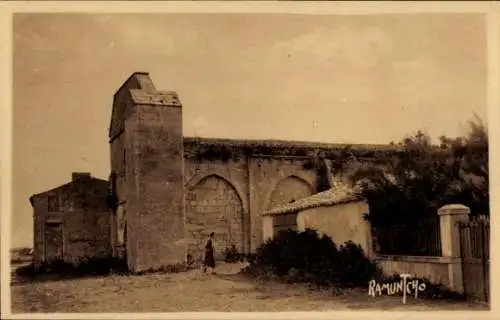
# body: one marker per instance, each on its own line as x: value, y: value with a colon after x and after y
x: 449, y: 216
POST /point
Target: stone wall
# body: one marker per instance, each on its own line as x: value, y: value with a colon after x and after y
x: 257, y: 182
x: 87, y: 235
x: 159, y: 221
x: 265, y: 176
x: 435, y: 269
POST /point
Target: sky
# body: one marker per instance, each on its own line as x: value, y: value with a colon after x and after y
x: 339, y: 79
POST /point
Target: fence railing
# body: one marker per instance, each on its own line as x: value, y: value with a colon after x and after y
x: 475, y: 255
x: 464, y: 236
x: 475, y: 238
x: 423, y: 239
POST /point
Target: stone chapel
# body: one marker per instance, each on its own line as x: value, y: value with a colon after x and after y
x: 170, y: 191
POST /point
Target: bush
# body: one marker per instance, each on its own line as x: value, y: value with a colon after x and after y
x: 356, y: 267
x: 232, y: 255
x: 251, y: 258
x: 85, y: 267
x: 306, y: 257
x: 88, y: 267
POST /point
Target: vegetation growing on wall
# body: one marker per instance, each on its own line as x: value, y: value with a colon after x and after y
x: 225, y: 150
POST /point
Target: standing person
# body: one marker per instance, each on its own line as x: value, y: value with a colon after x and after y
x: 209, y: 254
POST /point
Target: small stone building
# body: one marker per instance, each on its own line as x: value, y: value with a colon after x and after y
x: 337, y: 212
x: 72, y: 221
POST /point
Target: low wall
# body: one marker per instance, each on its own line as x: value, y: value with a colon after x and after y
x: 435, y: 269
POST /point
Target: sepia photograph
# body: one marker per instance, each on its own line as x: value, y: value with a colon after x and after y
x: 249, y: 162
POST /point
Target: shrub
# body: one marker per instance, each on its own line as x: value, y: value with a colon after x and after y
x: 84, y: 267
x: 232, y: 255
x: 306, y: 257
x: 251, y: 258
x: 356, y: 267
x: 88, y: 267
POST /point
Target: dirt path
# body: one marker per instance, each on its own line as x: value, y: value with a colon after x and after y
x: 195, y: 291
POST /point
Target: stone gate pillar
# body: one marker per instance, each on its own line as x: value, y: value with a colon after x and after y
x: 449, y: 216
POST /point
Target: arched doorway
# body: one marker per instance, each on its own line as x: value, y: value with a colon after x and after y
x: 213, y: 205
x: 288, y: 190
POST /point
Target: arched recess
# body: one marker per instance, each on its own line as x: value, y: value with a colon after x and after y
x: 198, y: 177
x: 214, y: 205
x: 287, y: 190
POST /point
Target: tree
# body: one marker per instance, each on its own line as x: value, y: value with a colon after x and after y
x: 473, y: 152
x: 412, y: 184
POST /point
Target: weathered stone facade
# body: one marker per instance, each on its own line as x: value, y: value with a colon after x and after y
x: 172, y: 191
x: 72, y: 222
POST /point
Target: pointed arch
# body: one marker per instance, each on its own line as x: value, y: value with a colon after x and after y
x: 213, y: 204
x: 290, y: 188
x: 194, y: 181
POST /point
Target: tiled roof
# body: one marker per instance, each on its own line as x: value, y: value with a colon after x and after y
x: 340, y: 192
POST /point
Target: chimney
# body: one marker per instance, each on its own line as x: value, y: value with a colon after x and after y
x: 80, y: 175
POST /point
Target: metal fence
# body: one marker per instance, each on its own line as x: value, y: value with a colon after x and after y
x: 422, y: 239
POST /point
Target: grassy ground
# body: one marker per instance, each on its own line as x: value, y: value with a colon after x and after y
x: 194, y: 291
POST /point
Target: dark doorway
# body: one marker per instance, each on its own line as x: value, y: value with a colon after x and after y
x: 53, y: 241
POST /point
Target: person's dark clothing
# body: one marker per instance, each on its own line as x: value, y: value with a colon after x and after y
x: 209, y: 255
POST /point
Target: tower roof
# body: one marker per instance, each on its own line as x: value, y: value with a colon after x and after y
x: 138, y: 89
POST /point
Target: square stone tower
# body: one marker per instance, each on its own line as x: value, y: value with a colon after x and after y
x: 147, y: 161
